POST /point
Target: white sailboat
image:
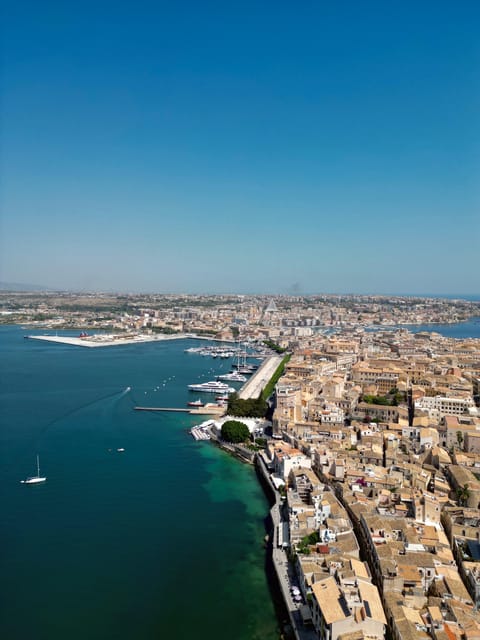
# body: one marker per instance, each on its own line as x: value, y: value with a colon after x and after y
x: 35, y: 479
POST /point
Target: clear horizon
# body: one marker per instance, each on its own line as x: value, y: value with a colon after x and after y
x: 264, y: 149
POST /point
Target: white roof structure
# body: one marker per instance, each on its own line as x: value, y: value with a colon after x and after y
x: 271, y: 306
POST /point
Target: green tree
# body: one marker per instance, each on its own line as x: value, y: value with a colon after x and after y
x: 307, y: 541
x: 463, y: 494
x: 235, y: 431
x: 459, y: 439
x: 274, y: 346
x: 251, y: 408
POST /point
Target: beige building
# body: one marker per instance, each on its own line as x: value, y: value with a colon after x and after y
x: 286, y: 459
x: 337, y: 611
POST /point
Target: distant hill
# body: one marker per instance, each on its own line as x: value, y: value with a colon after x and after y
x: 18, y: 286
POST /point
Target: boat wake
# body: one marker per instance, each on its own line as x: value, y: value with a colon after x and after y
x: 79, y: 408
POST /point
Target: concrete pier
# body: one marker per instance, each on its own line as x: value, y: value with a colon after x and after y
x: 207, y: 410
x: 262, y: 376
x: 162, y: 409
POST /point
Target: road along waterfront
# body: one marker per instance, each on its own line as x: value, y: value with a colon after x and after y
x: 284, y: 573
x: 262, y: 376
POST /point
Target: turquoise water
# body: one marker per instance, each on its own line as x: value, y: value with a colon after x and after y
x: 163, y: 540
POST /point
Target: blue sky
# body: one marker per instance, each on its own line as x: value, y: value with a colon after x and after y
x: 241, y: 146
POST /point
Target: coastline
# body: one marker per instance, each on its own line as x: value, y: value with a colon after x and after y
x: 277, y: 564
x: 74, y: 412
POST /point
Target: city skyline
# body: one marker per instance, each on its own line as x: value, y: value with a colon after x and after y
x: 248, y: 149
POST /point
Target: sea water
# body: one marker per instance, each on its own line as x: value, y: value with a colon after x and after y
x: 460, y: 330
x: 163, y: 540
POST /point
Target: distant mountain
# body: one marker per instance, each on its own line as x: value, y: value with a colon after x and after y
x: 17, y: 286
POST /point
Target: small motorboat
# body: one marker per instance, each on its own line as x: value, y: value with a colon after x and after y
x: 196, y: 403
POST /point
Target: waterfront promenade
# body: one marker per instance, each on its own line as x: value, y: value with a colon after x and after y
x: 255, y: 385
x: 284, y: 572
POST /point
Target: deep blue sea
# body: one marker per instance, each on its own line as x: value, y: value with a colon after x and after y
x: 163, y: 540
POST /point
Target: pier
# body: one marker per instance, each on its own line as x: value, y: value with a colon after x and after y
x: 262, y: 376
x: 162, y: 409
x: 207, y: 410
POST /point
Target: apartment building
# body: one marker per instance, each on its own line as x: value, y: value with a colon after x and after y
x: 353, y: 606
x: 439, y: 406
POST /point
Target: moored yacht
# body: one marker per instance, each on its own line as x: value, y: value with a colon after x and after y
x: 234, y: 376
x: 196, y: 403
x: 214, y: 386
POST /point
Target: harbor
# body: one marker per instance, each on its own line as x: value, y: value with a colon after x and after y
x: 163, y: 476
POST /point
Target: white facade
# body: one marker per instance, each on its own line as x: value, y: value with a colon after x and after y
x: 440, y: 406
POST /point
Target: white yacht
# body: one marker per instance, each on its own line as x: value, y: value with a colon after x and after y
x: 35, y: 479
x: 234, y: 376
x: 214, y: 386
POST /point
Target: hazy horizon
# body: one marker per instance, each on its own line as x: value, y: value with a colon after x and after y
x: 241, y: 147
x: 24, y: 288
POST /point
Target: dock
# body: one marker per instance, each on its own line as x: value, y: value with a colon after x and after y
x: 207, y: 410
x: 162, y: 409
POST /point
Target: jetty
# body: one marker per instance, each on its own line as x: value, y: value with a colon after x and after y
x: 207, y: 410
x: 162, y: 409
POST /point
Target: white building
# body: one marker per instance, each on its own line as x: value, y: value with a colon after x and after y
x: 439, y: 406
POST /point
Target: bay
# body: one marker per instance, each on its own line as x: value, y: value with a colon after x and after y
x: 162, y: 540
x: 468, y: 329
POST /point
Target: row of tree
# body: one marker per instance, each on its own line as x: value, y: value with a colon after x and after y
x: 274, y: 346
x: 251, y: 408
